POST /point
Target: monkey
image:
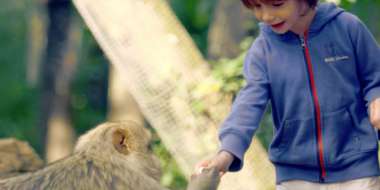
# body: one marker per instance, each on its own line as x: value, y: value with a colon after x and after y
x: 113, y: 155
x: 17, y: 157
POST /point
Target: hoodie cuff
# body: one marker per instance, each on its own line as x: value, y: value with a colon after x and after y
x: 237, y: 147
x: 372, y: 95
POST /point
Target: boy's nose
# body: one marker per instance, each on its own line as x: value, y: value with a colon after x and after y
x: 267, y: 17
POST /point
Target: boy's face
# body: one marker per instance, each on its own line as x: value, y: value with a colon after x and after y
x: 281, y: 15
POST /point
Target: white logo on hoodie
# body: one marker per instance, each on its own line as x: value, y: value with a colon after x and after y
x: 336, y: 58
x: 331, y: 49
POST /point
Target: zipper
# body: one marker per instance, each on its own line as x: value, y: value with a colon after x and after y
x: 317, y: 109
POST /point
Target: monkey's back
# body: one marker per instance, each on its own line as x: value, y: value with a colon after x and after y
x: 82, y: 172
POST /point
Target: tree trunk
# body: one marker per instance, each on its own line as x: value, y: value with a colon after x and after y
x: 58, y: 68
x: 231, y: 24
x: 161, y: 66
x: 122, y: 105
x: 36, y: 41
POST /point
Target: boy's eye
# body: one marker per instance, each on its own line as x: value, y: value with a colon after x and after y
x: 256, y: 5
x: 277, y: 3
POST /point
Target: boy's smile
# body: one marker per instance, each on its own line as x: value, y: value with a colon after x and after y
x: 278, y: 26
x: 284, y: 15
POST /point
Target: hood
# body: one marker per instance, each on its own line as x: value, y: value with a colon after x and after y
x: 325, y: 13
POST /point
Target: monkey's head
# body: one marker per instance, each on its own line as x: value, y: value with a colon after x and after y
x: 126, y: 138
x: 127, y: 142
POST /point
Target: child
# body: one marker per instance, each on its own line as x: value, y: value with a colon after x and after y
x: 319, y: 67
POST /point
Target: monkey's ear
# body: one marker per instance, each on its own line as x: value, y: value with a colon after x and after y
x: 119, y: 141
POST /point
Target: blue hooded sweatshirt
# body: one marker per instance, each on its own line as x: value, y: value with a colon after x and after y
x: 319, y: 86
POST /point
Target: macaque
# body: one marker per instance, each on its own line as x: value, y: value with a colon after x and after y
x: 112, y: 156
x: 17, y: 157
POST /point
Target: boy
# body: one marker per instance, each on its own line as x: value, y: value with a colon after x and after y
x: 319, y: 67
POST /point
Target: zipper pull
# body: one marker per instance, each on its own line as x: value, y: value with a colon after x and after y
x: 302, y: 42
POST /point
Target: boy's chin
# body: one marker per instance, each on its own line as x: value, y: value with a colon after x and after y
x: 279, y: 31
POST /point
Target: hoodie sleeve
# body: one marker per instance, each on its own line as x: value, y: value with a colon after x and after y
x: 368, y: 58
x: 236, y: 132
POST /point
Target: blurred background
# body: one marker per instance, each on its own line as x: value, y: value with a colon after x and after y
x: 56, y: 82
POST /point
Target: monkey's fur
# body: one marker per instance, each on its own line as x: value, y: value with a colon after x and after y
x: 17, y: 157
x: 111, y: 156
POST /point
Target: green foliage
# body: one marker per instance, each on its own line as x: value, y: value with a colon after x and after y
x: 229, y: 71
x: 90, y: 86
x: 367, y: 11
x: 195, y: 15
x: 172, y: 176
x: 226, y: 78
x: 18, y: 101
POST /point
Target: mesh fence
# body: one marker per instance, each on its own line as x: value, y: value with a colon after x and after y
x: 163, y: 69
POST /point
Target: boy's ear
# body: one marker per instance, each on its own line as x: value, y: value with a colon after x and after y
x: 119, y: 141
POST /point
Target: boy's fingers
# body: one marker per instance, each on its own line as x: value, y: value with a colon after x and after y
x: 204, y: 163
x: 374, y: 114
x: 200, y: 166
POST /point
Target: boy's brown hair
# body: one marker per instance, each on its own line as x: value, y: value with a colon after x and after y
x: 249, y: 3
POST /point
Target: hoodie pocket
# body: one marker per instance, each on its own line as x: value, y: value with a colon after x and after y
x: 341, y: 139
x: 295, y: 143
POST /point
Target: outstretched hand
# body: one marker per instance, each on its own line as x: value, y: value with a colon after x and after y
x: 221, y: 162
x: 374, y: 113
